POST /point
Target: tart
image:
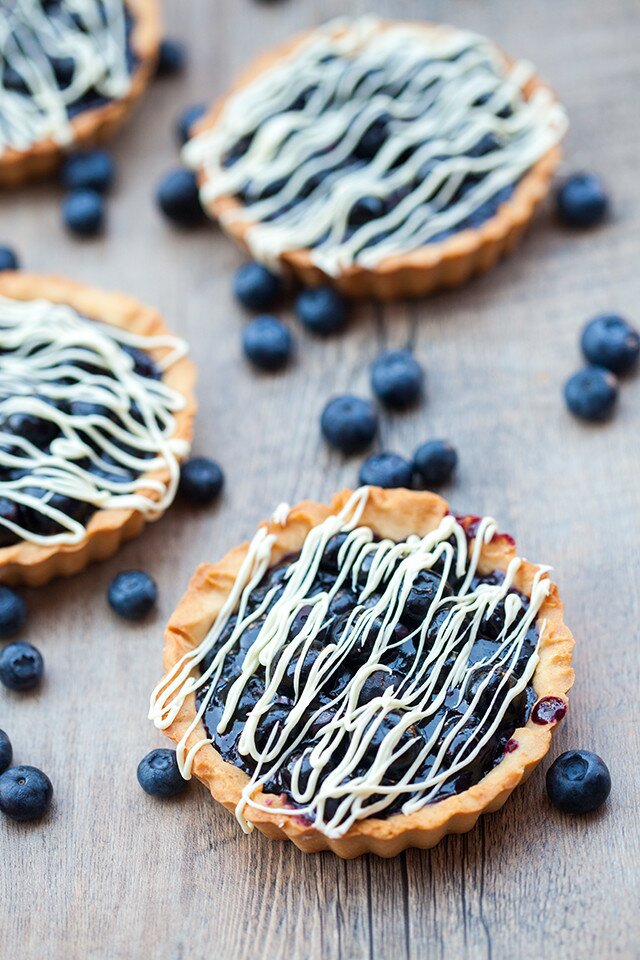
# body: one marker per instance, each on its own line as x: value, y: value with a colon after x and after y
x: 70, y: 74
x: 96, y: 411
x: 365, y: 676
x: 388, y: 158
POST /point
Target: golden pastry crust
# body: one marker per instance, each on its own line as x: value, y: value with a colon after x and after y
x: 94, y: 126
x: 35, y: 564
x: 434, y: 266
x: 394, y: 514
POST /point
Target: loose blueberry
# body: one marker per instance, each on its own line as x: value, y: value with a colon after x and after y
x: 609, y: 341
x: 201, y: 480
x: 386, y: 470
x: 267, y: 343
x: 256, y: 287
x: 322, y: 310
x: 21, y: 666
x: 397, y: 378
x: 25, y: 793
x: 172, y: 58
x: 132, y: 594
x: 159, y: 776
x: 93, y: 169
x: 6, y: 751
x: 178, y: 198
x: 83, y: 212
x: 349, y: 423
x: 187, y: 119
x: 13, y: 612
x: 435, y: 461
x: 591, y: 394
x: 582, y: 200
x: 578, y: 782
x: 8, y: 259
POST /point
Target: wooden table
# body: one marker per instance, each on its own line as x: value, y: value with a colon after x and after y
x: 114, y: 874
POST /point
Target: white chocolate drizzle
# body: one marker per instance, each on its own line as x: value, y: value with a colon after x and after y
x: 442, y: 92
x: 334, y: 762
x: 50, y: 354
x: 91, y: 33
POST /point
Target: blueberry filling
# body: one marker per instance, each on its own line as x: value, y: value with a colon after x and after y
x: 480, y: 699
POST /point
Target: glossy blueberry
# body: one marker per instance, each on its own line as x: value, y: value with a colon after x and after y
x: 13, y: 612
x: 64, y: 69
x: 25, y: 793
x: 159, y: 776
x: 366, y: 209
x: 609, y: 341
x: 582, y: 200
x: 178, y: 199
x: 372, y: 139
x: 349, y: 423
x: 8, y: 259
x: 6, y: 751
x: 201, y: 480
x: 8, y: 511
x: 267, y: 343
x: 386, y: 470
x: 256, y: 287
x: 83, y: 212
x: 21, y: 666
x: 322, y: 310
x: 435, y: 461
x: 172, y: 58
x: 187, y: 120
x: 578, y: 782
x: 93, y: 169
x: 397, y: 378
x: 591, y: 394
x: 421, y: 596
x: 132, y: 594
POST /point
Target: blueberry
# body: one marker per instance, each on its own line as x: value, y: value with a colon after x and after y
x: 372, y: 139
x: 13, y: 612
x: 582, y: 200
x: 201, y: 480
x: 256, y: 287
x: 397, y: 378
x: 435, y: 461
x: 93, y: 169
x: 578, y: 782
x: 178, y: 198
x: 25, y: 793
x: 591, y: 393
x: 421, y: 596
x: 321, y: 310
x: 172, y: 58
x: 8, y: 259
x: 385, y: 470
x: 83, y: 212
x: 609, y: 341
x: 132, y: 594
x: 159, y: 775
x: 21, y: 666
x: 6, y: 751
x: 267, y: 343
x: 187, y: 120
x: 349, y: 423
x: 366, y: 209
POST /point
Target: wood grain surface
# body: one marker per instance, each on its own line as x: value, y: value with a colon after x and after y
x: 114, y: 874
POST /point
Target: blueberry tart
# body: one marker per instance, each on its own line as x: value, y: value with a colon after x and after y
x: 365, y: 676
x: 389, y: 158
x: 96, y: 411
x: 70, y: 74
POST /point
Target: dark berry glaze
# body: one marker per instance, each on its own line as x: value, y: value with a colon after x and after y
x: 398, y: 658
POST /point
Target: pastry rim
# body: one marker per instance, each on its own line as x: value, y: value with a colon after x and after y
x: 394, y: 513
x: 96, y: 124
x: 35, y: 564
x: 446, y: 263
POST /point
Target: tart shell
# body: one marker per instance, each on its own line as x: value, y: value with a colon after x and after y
x: 93, y: 126
x: 36, y: 564
x: 432, y: 267
x: 394, y: 514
